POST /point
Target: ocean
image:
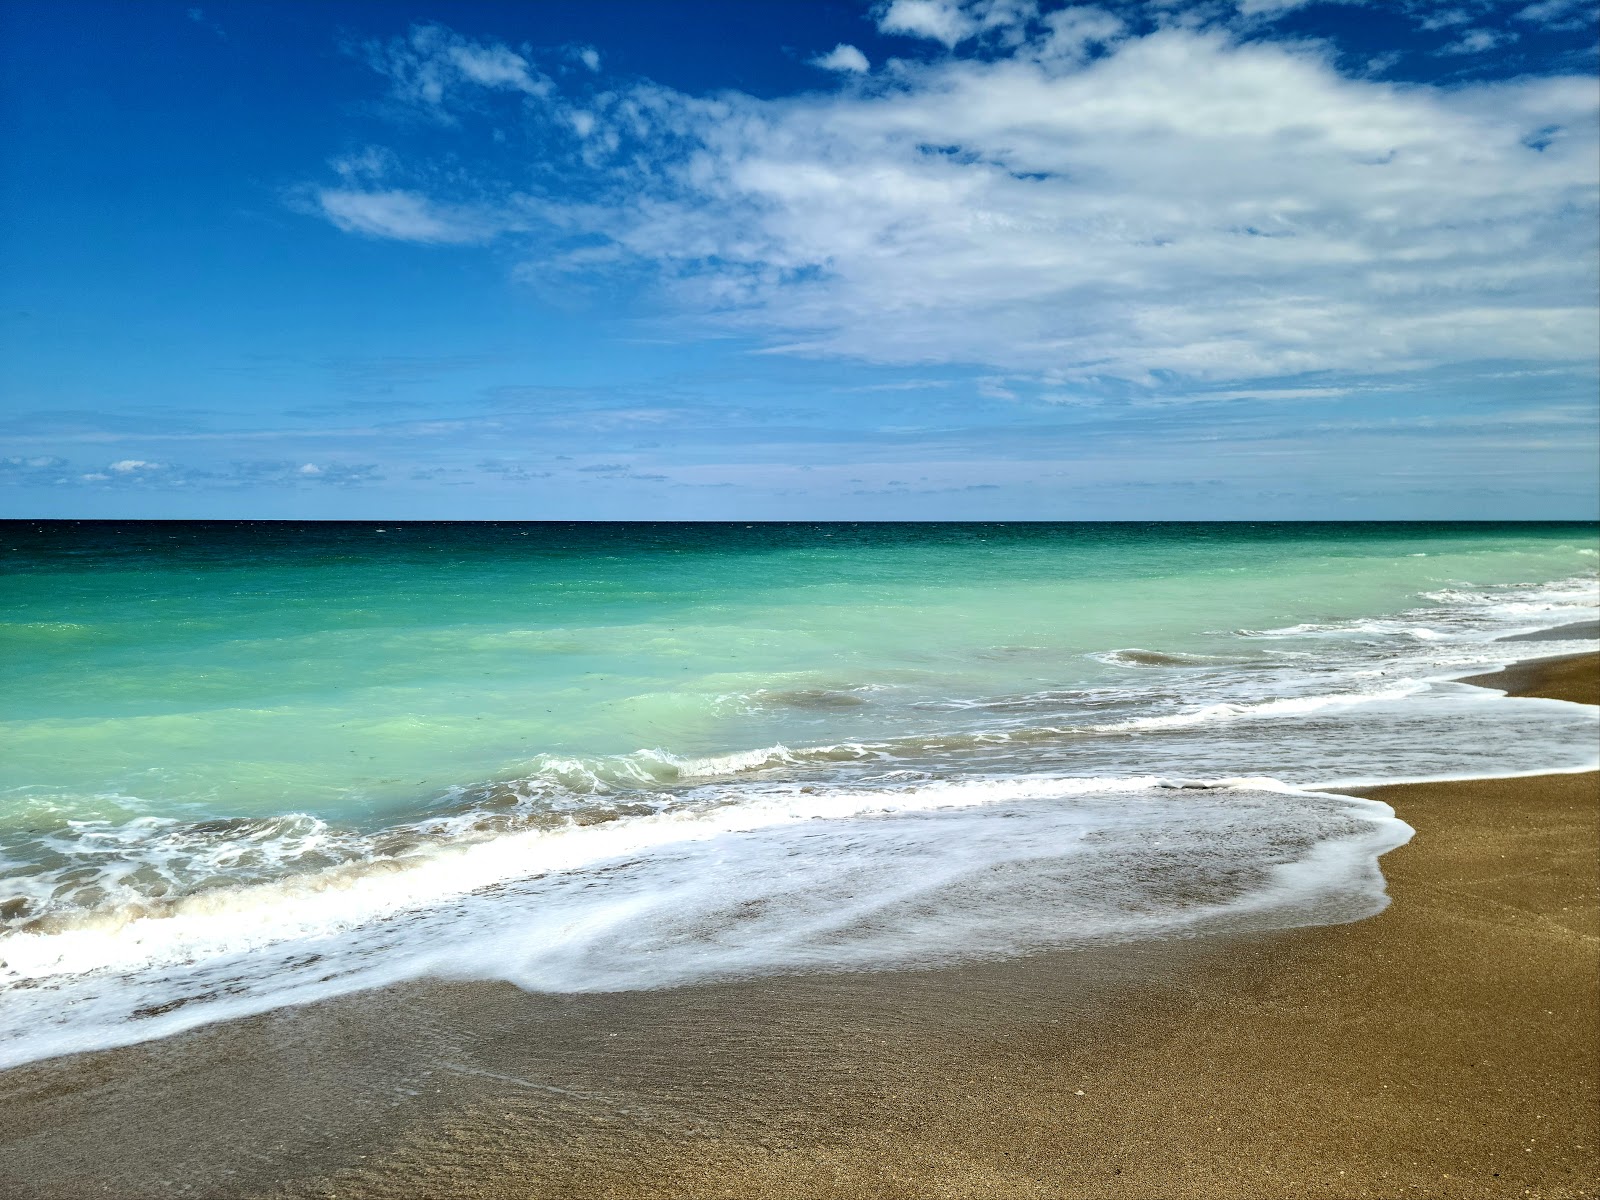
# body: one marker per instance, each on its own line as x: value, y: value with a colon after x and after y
x: 250, y: 764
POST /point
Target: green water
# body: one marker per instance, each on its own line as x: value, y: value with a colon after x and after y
x: 360, y: 672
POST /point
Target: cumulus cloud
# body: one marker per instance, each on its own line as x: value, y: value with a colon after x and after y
x: 1086, y: 203
x: 955, y: 21
x: 937, y: 20
x: 1070, y: 31
x: 843, y: 58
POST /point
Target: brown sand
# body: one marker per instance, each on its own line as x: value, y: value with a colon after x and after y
x: 1448, y: 1047
x: 1565, y: 677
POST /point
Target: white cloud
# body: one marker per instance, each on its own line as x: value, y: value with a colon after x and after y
x: 1476, y: 41
x: 128, y: 465
x: 843, y: 58
x: 1185, y: 204
x: 589, y: 57
x: 403, y: 216
x: 1560, y: 14
x: 1071, y: 30
x: 371, y: 163
x: 955, y: 21
x: 1276, y: 8
x: 937, y: 20
x: 434, y: 64
x: 1446, y: 18
x: 1251, y: 8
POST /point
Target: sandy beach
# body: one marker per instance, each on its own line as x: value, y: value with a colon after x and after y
x: 1447, y: 1047
x: 868, y: 600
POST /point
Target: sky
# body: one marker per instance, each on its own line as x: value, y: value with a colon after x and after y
x: 913, y: 259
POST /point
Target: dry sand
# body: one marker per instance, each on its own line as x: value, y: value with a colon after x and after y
x: 1448, y: 1047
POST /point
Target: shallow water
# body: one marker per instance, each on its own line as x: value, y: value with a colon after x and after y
x: 247, y: 764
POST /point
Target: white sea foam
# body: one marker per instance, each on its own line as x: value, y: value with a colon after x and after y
x: 1017, y: 828
x: 231, y: 919
x: 786, y: 881
x: 1267, y: 710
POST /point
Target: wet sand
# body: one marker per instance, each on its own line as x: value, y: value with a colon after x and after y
x: 1576, y: 631
x: 1447, y: 1047
x: 1564, y: 677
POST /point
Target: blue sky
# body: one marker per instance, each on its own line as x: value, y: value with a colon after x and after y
x: 921, y: 259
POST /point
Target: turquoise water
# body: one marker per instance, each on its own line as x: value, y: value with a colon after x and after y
x: 357, y: 671
x: 196, y: 709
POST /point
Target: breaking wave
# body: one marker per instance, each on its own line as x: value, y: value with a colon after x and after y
x: 983, y: 825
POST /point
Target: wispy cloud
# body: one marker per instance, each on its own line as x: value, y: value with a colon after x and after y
x: 1560, y: 14
x: 198, y: 16
x: 405, y: 216
x: 1082, y: 202
x: 1477, y: 41
x: 433, y: 65
x: 36, y: 470
x: 142, y: 474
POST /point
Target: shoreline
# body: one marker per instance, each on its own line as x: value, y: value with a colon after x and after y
x: 1446, y: 1045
